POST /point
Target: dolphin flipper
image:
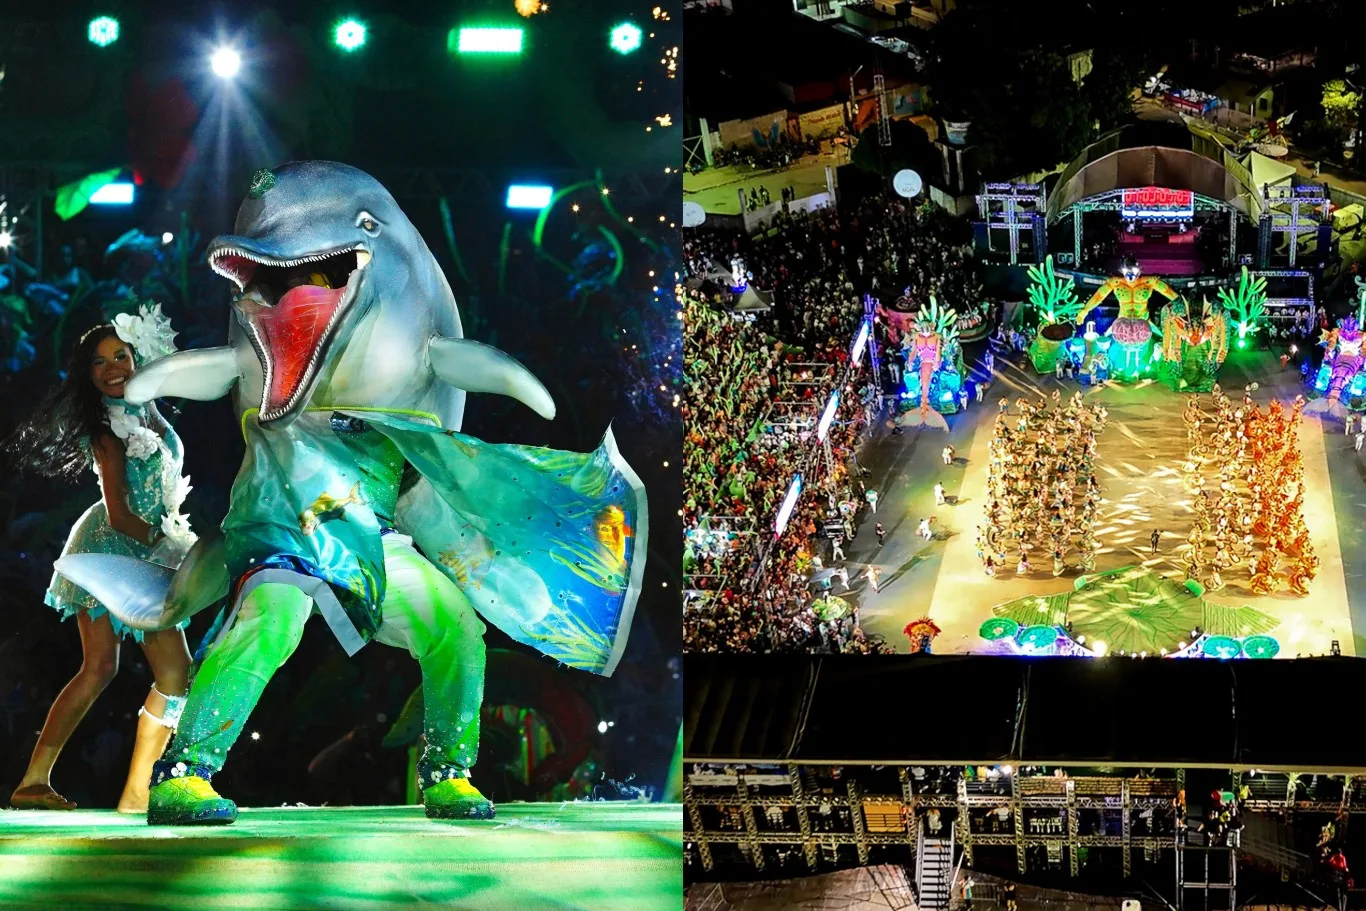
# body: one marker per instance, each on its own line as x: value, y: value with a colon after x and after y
x: 203, y: 374
x: 476, y: 367
x: 148, y: 596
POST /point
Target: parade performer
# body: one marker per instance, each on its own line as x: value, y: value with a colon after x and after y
x: 348, y: 371
x: 87, y: 423
x: 1131, y: 332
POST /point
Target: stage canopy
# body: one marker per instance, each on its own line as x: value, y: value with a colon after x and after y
x: 1287, y: 715
x: 1268, y: 171
x: 1179, y: 160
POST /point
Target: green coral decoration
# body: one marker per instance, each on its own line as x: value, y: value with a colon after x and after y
x: 1246, y: 305
x: 1055, y: 300
x: 1135, y: 611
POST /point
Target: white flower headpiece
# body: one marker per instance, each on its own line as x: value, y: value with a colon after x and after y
x: 149, y: 332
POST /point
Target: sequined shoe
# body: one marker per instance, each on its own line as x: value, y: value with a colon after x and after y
x: 188, y: 801
x: 456, y: 798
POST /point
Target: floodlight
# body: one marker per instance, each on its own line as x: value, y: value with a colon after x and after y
x: 225, y: 62
x: 626, y: 38
x: 521, y: 196
x: 103, y: 31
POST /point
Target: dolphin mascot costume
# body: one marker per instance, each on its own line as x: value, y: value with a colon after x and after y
x: 347, y: 364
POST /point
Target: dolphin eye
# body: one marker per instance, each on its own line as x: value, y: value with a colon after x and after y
x: 367, y: 223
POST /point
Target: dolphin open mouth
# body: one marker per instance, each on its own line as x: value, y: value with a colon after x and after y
x: 292, y: 309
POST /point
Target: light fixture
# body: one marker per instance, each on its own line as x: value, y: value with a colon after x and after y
x: 6, y: 240
x: 528, y: 196
x: 225, y: 62
x: 113, y: 194
x: 485, y: 40
x: 167, y: 237
x: 625, y: 38
x: 103, y: 31
x: 349, y: 35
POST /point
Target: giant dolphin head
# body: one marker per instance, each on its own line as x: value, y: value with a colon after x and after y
x: 339, y: 304
x: 337, y: 294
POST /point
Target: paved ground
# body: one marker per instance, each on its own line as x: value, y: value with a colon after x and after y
x: 714, y: 189
x: 1141, y: 487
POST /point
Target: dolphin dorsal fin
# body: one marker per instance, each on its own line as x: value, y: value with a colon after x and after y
x: 476, y: 367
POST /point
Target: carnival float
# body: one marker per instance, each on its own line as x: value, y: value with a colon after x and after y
x: 1055, y: 308
x: 1341, y: 378
x: 1194, y: 345
x: 1128, y: 346
x: 933, y: 376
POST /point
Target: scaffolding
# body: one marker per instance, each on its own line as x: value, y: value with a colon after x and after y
x: 1015, y: 208
x: 1063, y: 815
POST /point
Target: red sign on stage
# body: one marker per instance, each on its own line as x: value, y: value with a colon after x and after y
x: 1158, y: 202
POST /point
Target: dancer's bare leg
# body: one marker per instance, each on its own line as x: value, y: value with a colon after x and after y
x: 99, y: 664
x: 169, y: 658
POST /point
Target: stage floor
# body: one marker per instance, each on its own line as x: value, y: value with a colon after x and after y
x: 565, y: 855
x: 1139, y: 467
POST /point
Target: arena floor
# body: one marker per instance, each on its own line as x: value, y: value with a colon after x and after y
x: 1139, y: 467
x: 532, y: 856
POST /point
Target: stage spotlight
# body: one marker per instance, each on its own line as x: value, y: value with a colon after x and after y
x: 485, y: 40
x: 113, y: 194
x: 103, y: 31
x: 528, y: 197
x: 349, y: 35
x: 167, y: 237
x: 6, y: 240
x: 602, y: 727
x: 626, y: 38
x: 225, y: 62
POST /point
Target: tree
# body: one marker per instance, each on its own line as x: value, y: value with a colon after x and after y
x: 1340, y: 105
x: 1110, y: 85
x: 911, y: 148
x: 992, y: 66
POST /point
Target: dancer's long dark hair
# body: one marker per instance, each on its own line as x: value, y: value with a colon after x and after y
x: 50, y: 441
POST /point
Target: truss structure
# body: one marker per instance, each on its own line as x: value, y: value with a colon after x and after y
x: 1289, y: 211
x: 1015, y: 208
x: 754, y: 808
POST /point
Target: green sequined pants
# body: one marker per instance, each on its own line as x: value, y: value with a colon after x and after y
x: 424, y: 612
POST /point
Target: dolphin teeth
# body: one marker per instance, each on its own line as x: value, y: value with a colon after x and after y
x: 362, y: 258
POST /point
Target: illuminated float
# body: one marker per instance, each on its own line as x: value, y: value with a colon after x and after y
x: 1341, y: 378
x: 933, y: 377
x: 1129, y: 352
x: 1055, y: 306
x: 1194, y: 346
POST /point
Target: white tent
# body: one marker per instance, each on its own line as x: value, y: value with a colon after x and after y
x: 1267, y: 171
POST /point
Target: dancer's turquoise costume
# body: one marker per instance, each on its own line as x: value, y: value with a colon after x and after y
x: 152, y: 470
x: 346, y: 363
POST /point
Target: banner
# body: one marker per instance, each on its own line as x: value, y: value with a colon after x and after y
x: 907, y: 100
x: 756, y: 132
x: 822, y: 124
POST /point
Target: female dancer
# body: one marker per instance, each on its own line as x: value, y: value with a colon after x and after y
x: 137, y: 457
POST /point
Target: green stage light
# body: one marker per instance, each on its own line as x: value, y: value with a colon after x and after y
x: 485, y: 40
x: 103, y: 31
x: 349, y: 35
x: 626, y: 38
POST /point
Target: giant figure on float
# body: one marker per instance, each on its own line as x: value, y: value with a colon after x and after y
x: 1131, y: 334
x: 347, y: 367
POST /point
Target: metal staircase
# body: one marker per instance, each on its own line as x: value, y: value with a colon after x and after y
x: 934, y: 872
